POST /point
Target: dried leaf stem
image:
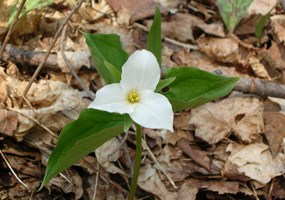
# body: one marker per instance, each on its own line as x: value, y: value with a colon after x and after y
x: 68, y: 64
x: 158, y: 164
x: 13, y: 172
x: 50, y: 48
x: 15, y: 20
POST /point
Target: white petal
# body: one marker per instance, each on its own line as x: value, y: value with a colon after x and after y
x: 140, y: 72
x: 112, y: 99
x: 153, y: 111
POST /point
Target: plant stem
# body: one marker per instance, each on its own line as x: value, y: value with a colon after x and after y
x: 137, y: 164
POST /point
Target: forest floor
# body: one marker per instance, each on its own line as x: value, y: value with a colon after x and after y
x: 231, y: 148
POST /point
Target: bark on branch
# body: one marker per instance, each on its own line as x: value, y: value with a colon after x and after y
x: 246, y: 85
x: 260, y: 88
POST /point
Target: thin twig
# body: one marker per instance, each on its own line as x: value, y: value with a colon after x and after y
x: 122, y: 141
x: 105, y: 178
x: 13, y: 172
x: 68, y: 64
x: 96, y: 182
x: 15, y: 20
x: 35, y: 121
x: 65, y: 178
x: 254, y: 191
x: 181, y: 44
x: 31, y: 107
x: 158, y: 164
x: 49, y: 49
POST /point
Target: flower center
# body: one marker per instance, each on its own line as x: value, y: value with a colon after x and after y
x: 133, y: 97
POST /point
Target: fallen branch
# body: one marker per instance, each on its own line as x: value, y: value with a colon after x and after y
x: 33, y: 58
x: 28, y: 57
x: 260, y: 88
x: 23, y: 57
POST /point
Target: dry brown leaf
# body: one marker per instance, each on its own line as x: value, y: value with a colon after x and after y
x: 225, y: 50
x: 271, y: 105
x: 248, y: 25
x: 8, y: 122
x: 106, y: 28
x: 280, y: 104
x: 171, y: 4
x: 242, y: 116
x: 76, y: 59
x: 179, y: 134
x: 171, y: 159
x: 195, y: 153
x: 258, y: 68
x: 260, y: 7
x: 278, y: 189
x: 181, y: 27
x: 75, y: 185
x: 202, y: 61
x: 49, y: 98
x: 277, y: 53
x: 187, y: 191
x: 131, y: 11
x: 90, y: 13
x: 150, y: 181
x: 274, y: 131
x: 109, y: 153
x: 278, y: 26
x: 181, y: 120
x: 255, y: 161
x: 3, y: 87
x: 222, y: 187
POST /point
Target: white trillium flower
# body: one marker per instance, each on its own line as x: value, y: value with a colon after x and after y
x: 135, y: 95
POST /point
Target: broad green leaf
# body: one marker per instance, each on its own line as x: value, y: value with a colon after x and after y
x: 116, y: 74
x: 260, y: 25
x: 77, y: 139
x: 106, y: 47
x: 164, y: 83
x: 193, y: 87
x: 154, y: 36
x: 232, y: 11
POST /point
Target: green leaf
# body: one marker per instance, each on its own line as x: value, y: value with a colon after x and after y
x: 34, y: 4
x: 260, y: 25
x: 154, y: 36
x: 232, y: 11
x: 164, y: 83
x: 30, y: 5
x: 116, y: 74
x: 106, y: 47
x: 77, y: 139
x: 193, y: 87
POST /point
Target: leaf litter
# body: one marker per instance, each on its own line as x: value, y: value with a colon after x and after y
x: 232, y: 148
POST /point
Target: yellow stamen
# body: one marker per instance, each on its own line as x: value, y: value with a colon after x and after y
x: 133, y: 97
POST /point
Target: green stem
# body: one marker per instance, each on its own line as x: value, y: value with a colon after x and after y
x: 137, y: 165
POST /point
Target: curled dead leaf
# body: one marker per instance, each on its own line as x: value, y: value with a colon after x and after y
x: 182, y: 26
x: 274, y: 131
x: 109, y: 153
x: 150, y: 181
x: 242, y: 116
x: 255, y: 161
x: 8, y: 122
x: 225, y: 50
